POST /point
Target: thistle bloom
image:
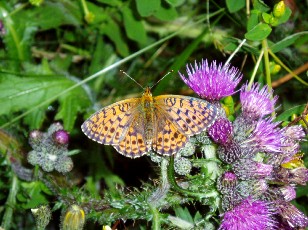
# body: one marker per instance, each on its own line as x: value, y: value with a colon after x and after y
x: 221, y: 131
x: 249, y: 214
x: 256, y: 102
x: 212, y: 82
x: 288, y: 192
x: 293, y: 135
x: 266, y: 137
x: 250, y: 169
x: 294, y: 217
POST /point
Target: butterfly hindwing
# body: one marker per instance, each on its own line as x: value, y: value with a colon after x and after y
x: 167, y: 138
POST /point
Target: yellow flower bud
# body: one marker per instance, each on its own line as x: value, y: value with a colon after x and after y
x: 74, y: 218
x: 279, y: 9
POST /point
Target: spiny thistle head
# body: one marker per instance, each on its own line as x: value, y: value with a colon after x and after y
x: 212, y: 82
x: 256, y: 101
x: 249, y: 214
x: 50, y: 149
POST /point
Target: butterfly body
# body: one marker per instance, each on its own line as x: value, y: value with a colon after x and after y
x: 138, y: 125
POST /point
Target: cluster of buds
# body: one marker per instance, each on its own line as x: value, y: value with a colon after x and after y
x: 50, y: 149
x: 263, y: 160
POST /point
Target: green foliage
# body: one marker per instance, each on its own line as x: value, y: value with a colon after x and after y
x: 60, y: 61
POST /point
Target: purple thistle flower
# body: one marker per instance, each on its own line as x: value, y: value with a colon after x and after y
x: 248, y: 214
x: 221, y: 131
x: 294, y: 217
x: 266, y: 137
x: 293, y: 135
x: 295, y: 132
x: 212, y: 82
x: 250, y: 169
x: 256, y: 102
x: 292, y: 176
x: 288, y: 192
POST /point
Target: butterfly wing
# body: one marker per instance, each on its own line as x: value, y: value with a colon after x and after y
x: 184, y: 116
x: 119, y: 124
x: 133, y: 144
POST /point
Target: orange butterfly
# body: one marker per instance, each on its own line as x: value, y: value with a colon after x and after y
x: 163, y: 124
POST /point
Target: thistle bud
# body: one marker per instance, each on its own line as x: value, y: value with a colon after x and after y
x: 42, y: 216
x: 61, y: 137
x: 182, y: 166
x: 74, y: 218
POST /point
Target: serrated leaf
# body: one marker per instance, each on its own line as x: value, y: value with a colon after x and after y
x: 113, y: 32
x: 133, y: 27
x: 35, y: 119
x: 184, y: 214
x: 259, y: 32
x: 70, y: 105
x: 147, y: 8
x: 235, y: 5
x: 287, y: 41
x: 24, y: 93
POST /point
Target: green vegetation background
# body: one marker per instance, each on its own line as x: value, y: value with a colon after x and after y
x: 48, y: 48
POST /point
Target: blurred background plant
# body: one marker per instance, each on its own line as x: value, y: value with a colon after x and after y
x: 60, y: 61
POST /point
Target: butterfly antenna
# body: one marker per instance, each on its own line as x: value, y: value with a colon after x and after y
x: 131, y: 78
x: 171, y: 71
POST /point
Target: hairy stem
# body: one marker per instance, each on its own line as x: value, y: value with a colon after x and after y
x: 10, y: 204
x: 185, y: 192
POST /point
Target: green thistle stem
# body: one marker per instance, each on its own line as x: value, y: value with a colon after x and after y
x: 176, y: 187
x: 156, y: 218
x: 10, y: 204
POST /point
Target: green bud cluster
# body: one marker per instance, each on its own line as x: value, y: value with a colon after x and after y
x: 49, y: 153
x: 42, y: 216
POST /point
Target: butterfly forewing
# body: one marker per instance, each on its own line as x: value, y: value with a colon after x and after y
x: 110, y: 125
x: 190, y: 115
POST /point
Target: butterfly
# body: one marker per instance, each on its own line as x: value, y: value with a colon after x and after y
x: 162, y: 124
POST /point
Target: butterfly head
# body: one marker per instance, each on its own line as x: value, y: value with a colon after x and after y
x: 147, y: 92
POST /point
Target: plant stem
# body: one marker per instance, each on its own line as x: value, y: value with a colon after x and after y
x: 286, y: 68
x: 10, y: 204
x: 156, y: 218
x: 267, y: 65
x: 255, y: 69
x: 176, y: 187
